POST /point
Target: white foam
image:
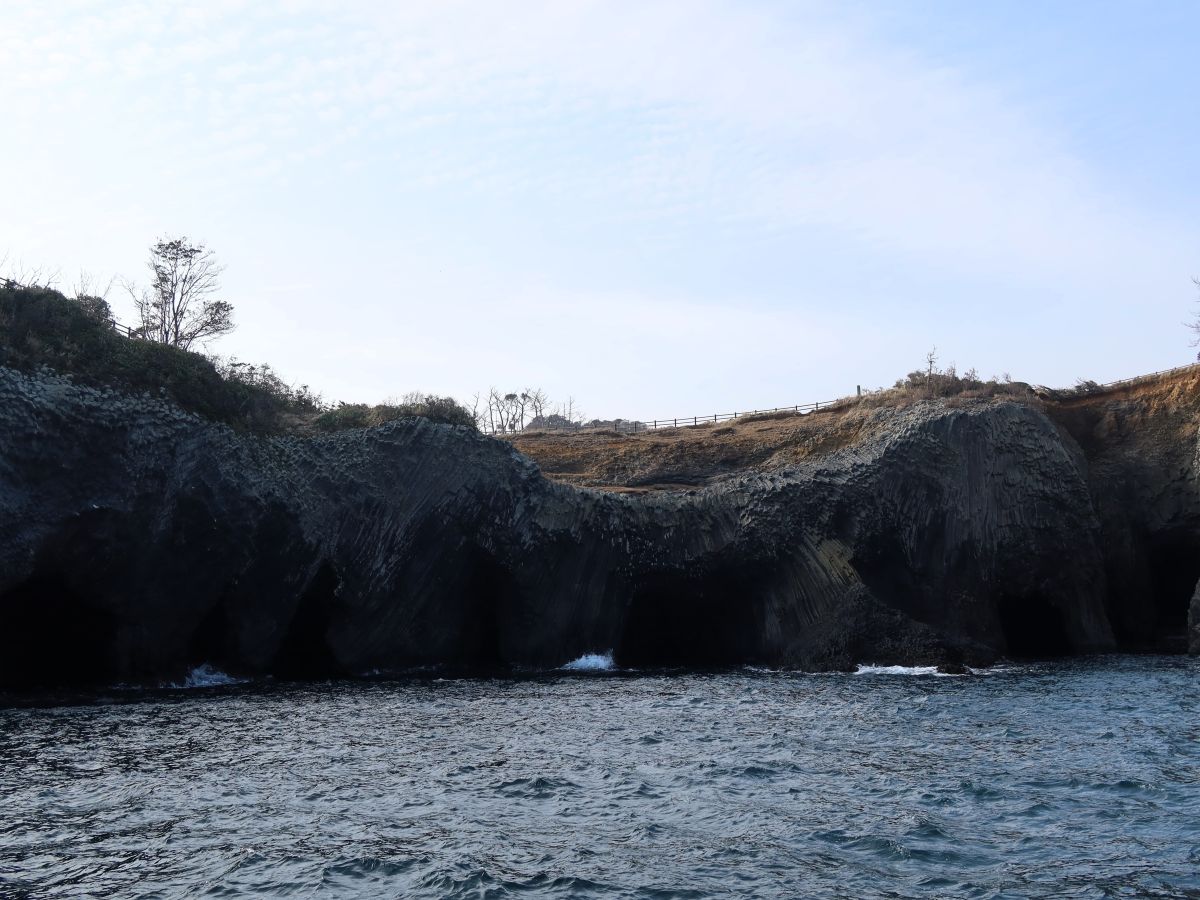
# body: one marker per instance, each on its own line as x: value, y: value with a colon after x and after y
x: 592, y: 662
x: 897, y: 670
x: 207, y: 675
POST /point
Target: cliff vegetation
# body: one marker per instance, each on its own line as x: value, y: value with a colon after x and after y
x: 77, y: 336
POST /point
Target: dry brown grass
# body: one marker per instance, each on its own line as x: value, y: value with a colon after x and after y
x: 692, y: 456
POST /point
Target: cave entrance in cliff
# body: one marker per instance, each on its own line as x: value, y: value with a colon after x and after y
x: 1173, y: 561
x: 49, y: 635
x: 304, y: 652
x: 1033, y: 627
x: 489, y: 593
x: 694, y: 622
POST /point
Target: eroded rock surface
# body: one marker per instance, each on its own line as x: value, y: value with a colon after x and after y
x: 138, y: 540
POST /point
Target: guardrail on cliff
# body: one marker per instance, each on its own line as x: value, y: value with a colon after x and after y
x: 1136, y: 378
x: 636, y: 427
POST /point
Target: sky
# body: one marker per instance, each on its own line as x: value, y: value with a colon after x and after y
x: 658, y: 208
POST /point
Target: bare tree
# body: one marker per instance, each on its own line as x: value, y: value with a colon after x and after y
x: 178, y: 308
x: 931, y: 359
x: 537, y: 400
x: 570, y: 411
x: 89, y: 286
x: 501, y: 411
x: 519, y: 403
x: 476, y: 413
x: 93, y: 297
x: 1194, y: 325
x: 508, y: 413
x: 19, y: 275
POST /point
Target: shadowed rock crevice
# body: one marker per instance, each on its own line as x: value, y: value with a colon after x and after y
x: 211, y: 641
x: 1033, y: 628
x: 696, y: 621
x: 490, y: 593
x: 50, y: 636
x: 1173, y: 560
x: 305, y: 651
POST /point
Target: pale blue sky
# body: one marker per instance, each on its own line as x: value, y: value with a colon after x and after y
x: 662, y: 208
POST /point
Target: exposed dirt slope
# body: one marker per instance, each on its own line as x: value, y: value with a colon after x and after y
x: 1155, y: 410
x: 694, y: 456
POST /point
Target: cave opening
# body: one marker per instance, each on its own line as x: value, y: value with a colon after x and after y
x: 691, y: 621
x: 1173, y: 562
x: 1033, y: 627
x: 50, y: 636
x: 305, y: 652
x: 488, y: 591
x: 210, y: 641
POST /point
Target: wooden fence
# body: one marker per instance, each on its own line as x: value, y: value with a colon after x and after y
x: 1136, y: 378
x: 688, y: 421
x: 803, y: 408
x: 636, y: 426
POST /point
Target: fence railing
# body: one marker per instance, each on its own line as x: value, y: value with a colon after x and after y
x: 1136, y: 378
x: 686, y: 421
x: 635, y: 426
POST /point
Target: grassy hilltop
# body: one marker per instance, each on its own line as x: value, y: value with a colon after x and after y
x: 40, y: 327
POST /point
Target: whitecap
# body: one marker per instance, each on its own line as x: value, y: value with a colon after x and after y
x: 896, y: 670
x: 591, y: 662
x: 206, y: 675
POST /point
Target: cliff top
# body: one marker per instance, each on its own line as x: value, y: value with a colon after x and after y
x: 698, y: 455
x: 40, y: 327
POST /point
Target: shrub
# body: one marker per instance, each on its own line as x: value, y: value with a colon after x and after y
x: 344, y: 415
x: 40, y: 327
x: 358, y: 415
x: 264, y: 379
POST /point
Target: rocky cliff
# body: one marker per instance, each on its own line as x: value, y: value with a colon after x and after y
x: 137, y: 540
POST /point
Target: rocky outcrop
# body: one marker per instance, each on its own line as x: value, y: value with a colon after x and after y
x: 137, y: 540
x: 1143, y: 471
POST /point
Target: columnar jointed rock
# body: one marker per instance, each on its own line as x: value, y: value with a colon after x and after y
x: 137, y: 540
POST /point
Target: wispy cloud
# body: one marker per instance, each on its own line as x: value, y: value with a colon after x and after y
x: 639, y: 123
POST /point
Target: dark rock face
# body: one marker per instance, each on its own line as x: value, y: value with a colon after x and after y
x: 137, y: 540
x: 1144, y: 475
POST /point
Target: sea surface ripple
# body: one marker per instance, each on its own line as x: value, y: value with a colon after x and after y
x: 1077, y: 779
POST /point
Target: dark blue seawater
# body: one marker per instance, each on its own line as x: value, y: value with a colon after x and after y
x: 1071, y: 780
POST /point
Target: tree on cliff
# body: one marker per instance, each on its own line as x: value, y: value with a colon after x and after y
x: 179, y: 308
x: 508, y: 412
x: 1194, y: 325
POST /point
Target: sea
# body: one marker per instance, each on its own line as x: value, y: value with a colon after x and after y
x: 1078, y: 778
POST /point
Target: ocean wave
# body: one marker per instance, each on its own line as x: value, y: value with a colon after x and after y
x: 206, y: 675
x: 897, y: 670
x: 591, y: 662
